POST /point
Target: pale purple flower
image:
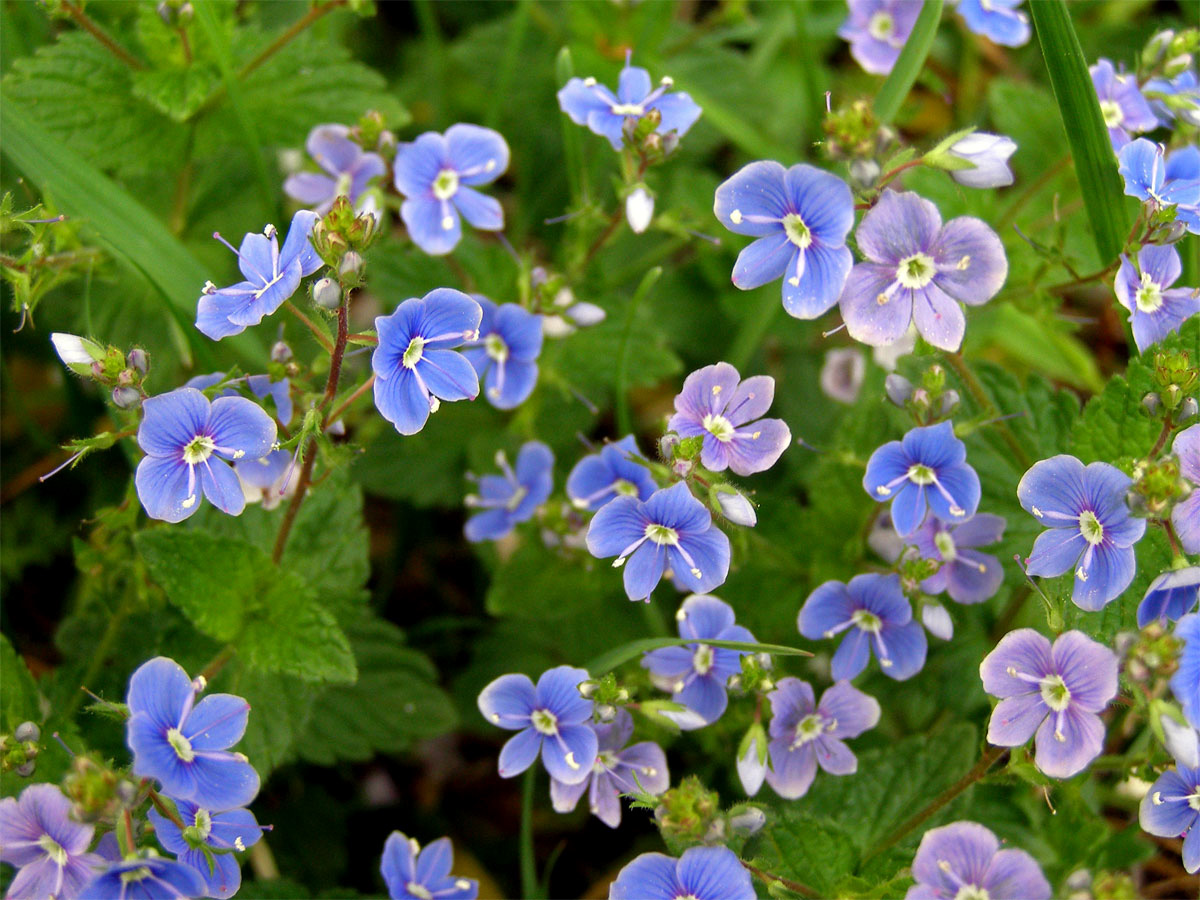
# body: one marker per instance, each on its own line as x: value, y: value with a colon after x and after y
x: 997, y: 20
x: 702, y: 873
x: 727, y: 412
x: 1171, y: 809
x: 964, y: 860
x: 48, y: 848
x: 348, y: 170
x: 966, y: 575
x: 1124, y: 109
x: 505, y: 353
x: 1155, y: 308
x: 988, y: 152
x: 1057, y: 692
x: 806, y: 734
x: 919, y: 270
x: 842, y: 374
x: 877, y: 31
x: 220, y: 831
x: 513, y: 497
x: 1186, y: 514
x: 1170, y: 596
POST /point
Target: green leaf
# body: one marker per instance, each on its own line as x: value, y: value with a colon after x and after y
x: 1095, y: 162
x: 606, y: 662
x: 908, y: 66
x: 19, y: 699
x: 532, y: 583
x: 280, y: 709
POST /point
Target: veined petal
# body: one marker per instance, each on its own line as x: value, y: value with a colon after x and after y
x: 1088, y: 669
x: 479, y: 155
x: 1015, y: 719
x: 753, y: 193
x: 217, y: 722
x: 448, y: 375
x: 1026, y: 652
x: 644, y: 570
x: 558, y: 691
x: 242, y: 426
x: 221, y: 486
x: 297, y: 247
x: 900, y: 225
x: 223, y: 780
x: 615, y: 526
x: 482, y: 211
x: 872, y: 314
x: 574, y: 763
x: 433, y: 224
x: 401, y: 401
x: 792, y: 770
x: 971, y: 263
x: 417, y: 164
x: 763, y: 261
x: 162, y: 488
x: 1061, y: 754
x: 161, y: 689
x: 519, y: 752
x: 938, y: 317
x: 1104, y: 578
x: 171, y: 421
x: 820, y: 285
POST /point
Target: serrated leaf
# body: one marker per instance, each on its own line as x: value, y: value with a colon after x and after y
x: 533, y: 584
x: 176, y: 93
x: 280, y: 708
x: 290, y: 632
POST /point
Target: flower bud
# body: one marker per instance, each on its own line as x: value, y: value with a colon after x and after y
x: 1152, y: 403
x: 326, y: 293
x: 950, y: 401
x: 988, y: 154
x: 138, y: 360
x: 586, y: 314
x: 26, y: 732
x: 667, y: 444
x: 351, y: 264
x: 281, y: 353
x: 639, y: 209
x: 1187, y: 410
x: 1156, y: 48
x: 842, y: 374
x: 748, y: 821
x: 752, y: 759
x: 863, y: 172
x: 937, y: 620
x: 126, y: 397
x: 556, y: 327
x: 899, y: 389
x: 26, y: 768
x: 734, y: 506
x: 80, y: 355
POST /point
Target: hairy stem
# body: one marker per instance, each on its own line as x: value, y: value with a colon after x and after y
x: 166, y: 811
x: 311, y: 325
x: 85, y: 22
x: 769, y: 878
x: 298, y: 27
x: 1167, y: 428
x: 341, y: 407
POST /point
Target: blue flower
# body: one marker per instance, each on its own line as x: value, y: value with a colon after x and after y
x: 1155, y: 308
x: 184, y: 744
x: 964, y: 859
x: 349, y: 169
x: 672, y: 529
x: 618, y: 770
x: 437, y: 174
x: 605, y: 113
x: 613, y: 472
x: 513, y: 497
x: 261, y: 386
x: 415, y: 365
x: 1170, y: 596
x: 926, y: 468
x: 553, y: 719
x: 505, y: 354
x: 1169, y: 810
x: 1185, y: 683
x: 1122, y: 105
x: 967, y: 575
x: 222, y: 832
x: 1056, y: 692
x: 801, y: 217
x: 717, y: 405
x: 412, y: 872
x: 1170, y: 181
x: 147, y: 878
x: 187, y: 441
x: 702, y: 873
x: 805, y: 734
x: 1179, y: 96
x: 1091, y: 530
x: 272, y: 276
x: 997, y: 20
x: 877, y: 30
x: 267, y: 479
x: 696, y: 673
x: 47, y: 846
x: 878, y: 616
x: 1186, y: 514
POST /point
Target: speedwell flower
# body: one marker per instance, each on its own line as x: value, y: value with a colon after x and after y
x: 1171, y: 808
x: 221, y: 831
x: 1170, y: 596
x: 726, y: 411
x: 553, y: 718
x: 184, y: 744
x: 438, y: 174
x: 927, y: 468
x: 1122, y: 105
x: 919, y: 270
x: 506, y: 351
x: 967, y: 575
x: 415, y: 364
x: 800, y: 217
x: 187, y: 441
x: 1091, y: 530
x: 1162, y: 180
x: 1186, y: 514
x: 878, y: 617
x: 672, y: 529
x: 806, y: 734
x: 997, y: 20
x: 272, y: 276
x: 1155, y: 308
x: 696, y: 673
x: 349, y: 170
x: 512, y: 497
x: 1057, y: 692
x: 1185, y: 683
x: 413, y: 872
x: 964, y: 860
x: 613, y: 472
x: 48, y: 847
x: 877, y: 30
x: 147, y: 878
x: 702, y: 873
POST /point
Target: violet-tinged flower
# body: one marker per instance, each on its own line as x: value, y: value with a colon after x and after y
x: 1163, y: 180
x: 697, y: 673
x: 997, y: 20
x: 919, y: 270
x: 1155, y: 308
x: 188, y: 441
x: 613, y: 472
x: 727, y: 412
x: 1057, y: 692
x: 415, y: 364
x: 806, y: 734
x: 221, y: 831
x: 927, y: 468
x: 842, y: 374
x: 989, y: 153
x: 671, y: 529
x: 1170, y: 596
x: 702, y: 873
x: 877, y: 31
x: 641, y: 768
x: 506, y: 351
x: 967, y: 575
x: 1171, y: 808
x: 605, y: 113
x: 553, y: 719
x: 148, y: 878
x: 512, y: 497
x: 878, y: 617
x: 1185, y: 517
x: 413, y: 872
x: 964, y: 860
x: 1124, y: 109
x: 184, y: 744
x: 272, y: 276
x: 1185, y: 683
x: 438, y: 174
x: 348, y: 170
x: 1091, y: 530
x: 48, y: 847
x: 800, y: 217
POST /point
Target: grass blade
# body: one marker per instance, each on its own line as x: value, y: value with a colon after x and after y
x: 908, y: 66
x: 1095, y: 163
x: 606, y: 662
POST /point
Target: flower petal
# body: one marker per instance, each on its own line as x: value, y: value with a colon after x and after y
x: 867, y: 318
x: 417, y: 165
x: 479, y: 155
x: 1082, y: 740
x: 1105, y: 578
x: 217, y: 722
x: 971, y: 263
x: 558, y: 691
x: 433, y: 224
x: 1024, y: 650
x: 763, y: 261
x: 753, y: 200
x: 221, y: 486
x: 900, y: 225
x: 1088, y: 669
x: 703, y: 616
x: 615, y: 526
x: 170, y: 421
x: 162, y: 488
x: 820, y: 285
x: 519, y: 752
x: 1015, y: 719
x: 792, y: 770
x: 938, y: 317
x: 401, y: 401
x: 482, y: 211
x: 571, y: 760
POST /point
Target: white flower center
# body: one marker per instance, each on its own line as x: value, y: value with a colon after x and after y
x: 623, y: 488
x: 606, y: 759
x: 445, y: 185
x: 719, y: 427
x: 181, y: 745
x: 1149, y: 296
x: 1055, y: 693
x: 198, y: 450
x: 53, y: 849
x: 797, y: 232
x: 972, y: 892
x: 135, y: 875
x: 945, y: 545
x: 809, y: 729
x: 866, y: 620
x: 1090, y: 527
x: 1194, y: 800
x: 628, y: 109
x: 916, y: 271
x: 919, y: 474
x: 495, y: 347
x: 881, y: 26
x: 203, y: 822
x: 1112, y: 113
x: 544, y: 721
x: 702, y: 659
x: 661, y: 534
x: 418, y: 890
x: 412, y: 356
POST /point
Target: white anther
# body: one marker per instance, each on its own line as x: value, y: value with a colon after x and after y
x: 736, y: 217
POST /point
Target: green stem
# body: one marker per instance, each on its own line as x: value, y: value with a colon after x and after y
x: 529, y: 879
x: 82, y: 20
x: 288, y: 36
x: 624, y: 419
x: 217, y: 663
x: 769, y: 878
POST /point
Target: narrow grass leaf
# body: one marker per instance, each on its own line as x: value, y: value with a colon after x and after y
x: 908, y: 66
